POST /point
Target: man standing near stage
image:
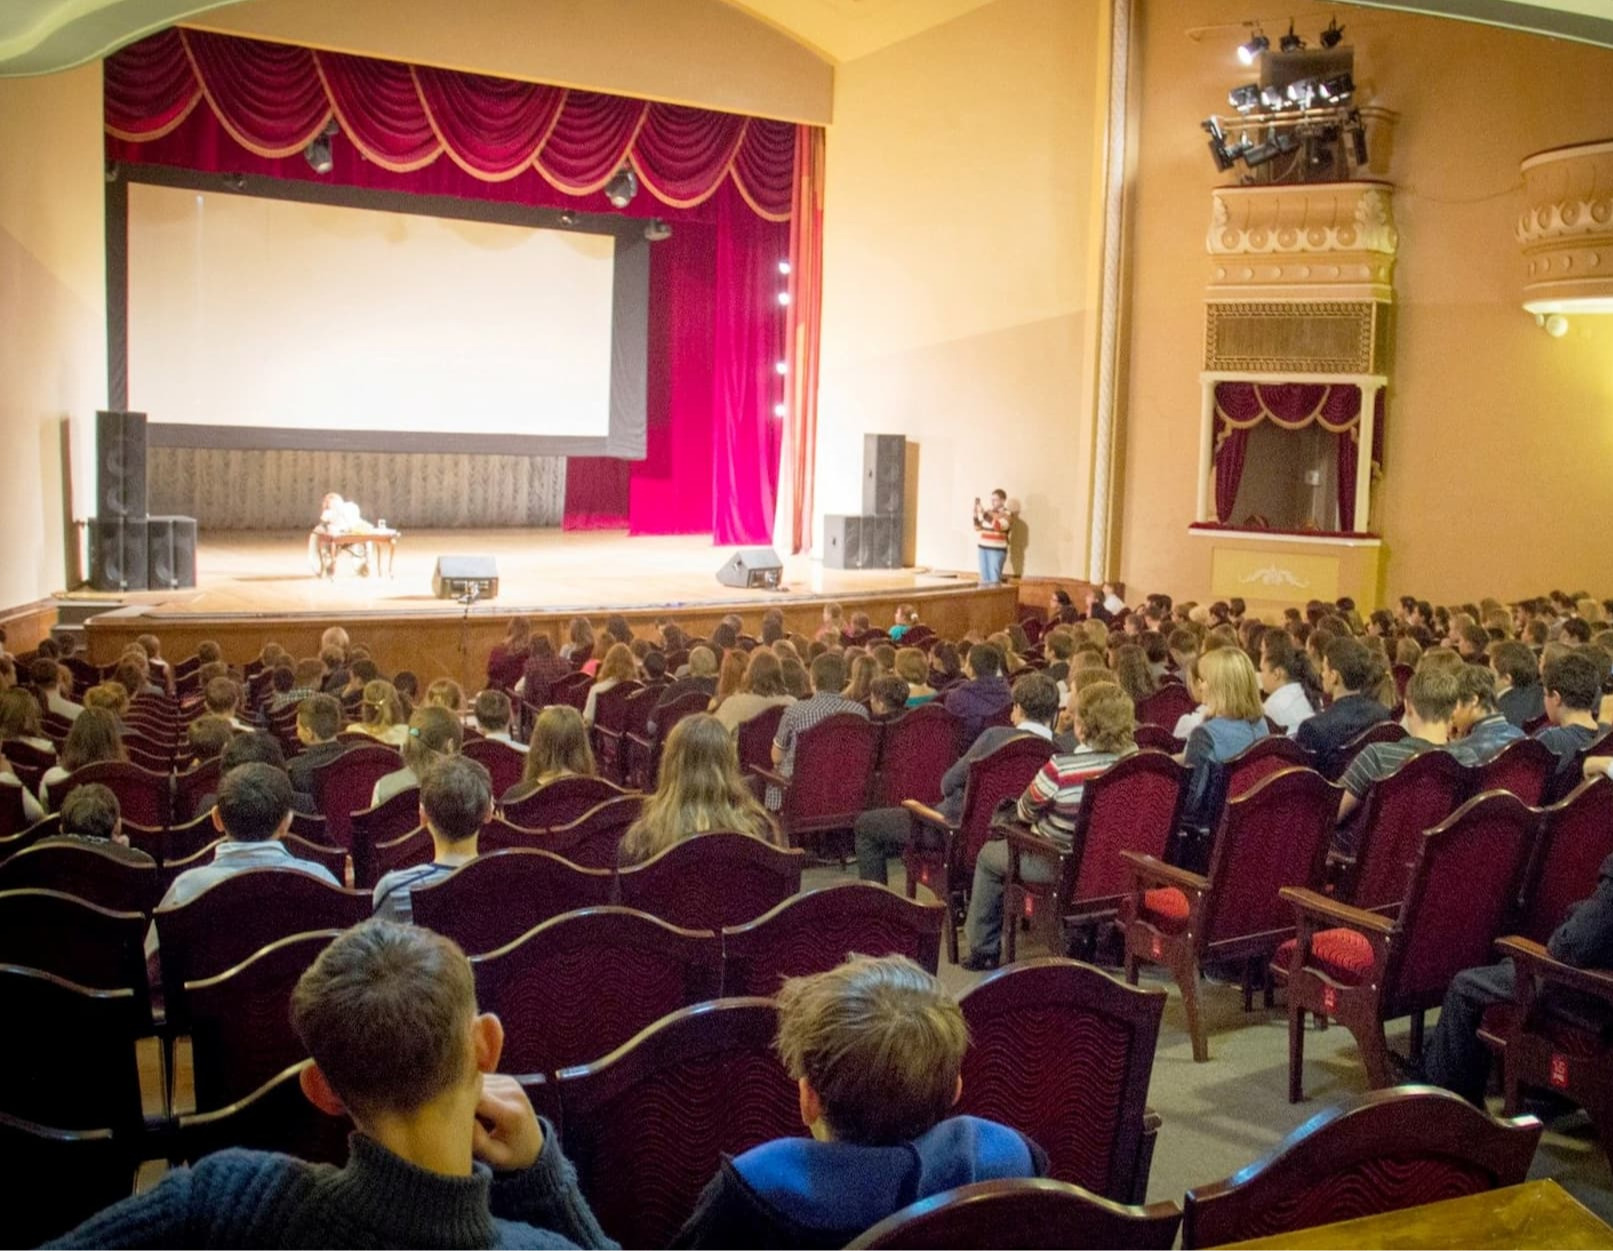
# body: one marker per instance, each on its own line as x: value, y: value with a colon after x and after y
x: 991, y: 532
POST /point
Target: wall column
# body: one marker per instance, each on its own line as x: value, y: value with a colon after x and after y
x: 1202, y: 511
x: 1363, y: 454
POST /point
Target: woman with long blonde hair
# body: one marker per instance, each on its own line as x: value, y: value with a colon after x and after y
x: 762, y: 688
x: 558, y: 749
x: 619, y: 665
x: 381, y: 714
x: 701, y: 790
x: 1233, y: 719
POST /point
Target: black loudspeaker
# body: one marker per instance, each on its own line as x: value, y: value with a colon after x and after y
x: 171, y: 552
x: 884, y: 474
x: 120, y: 455
x: 753, y: 567
x: 842, y: 542
x: 119, y: 553
x: 461, y: 577
x: 882, y: 542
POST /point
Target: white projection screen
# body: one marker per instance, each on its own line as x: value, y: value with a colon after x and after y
x: 260, y: 322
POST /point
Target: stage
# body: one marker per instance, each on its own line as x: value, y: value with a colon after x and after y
x: 254, y: 587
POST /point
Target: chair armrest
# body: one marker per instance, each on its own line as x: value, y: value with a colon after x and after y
x: 1148, y: 869
x: 1533, y: 958
x: 772, y: 776
x: 928, y: 815
x: 1311, y: 905
x: 1023, y: 838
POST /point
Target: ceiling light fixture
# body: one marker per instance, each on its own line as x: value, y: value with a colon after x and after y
x: 655, y: 230
x: 1291, y: 42
x: 1249, y: 53
x: 621, y: 188
x: 318, y: 152
x: 1333, y: 34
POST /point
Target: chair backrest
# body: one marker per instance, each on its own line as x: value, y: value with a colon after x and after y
x: 334, y: 859
x: 191, y: 786
x: 832, y: 773
x: 502, y: 761
x: 388, y: 820
x: 1166, y: 706
x: 580, y: 985
x: 560, y: 802
x: 666, y: 1107
x: 274, y: 1117
x: 1387, y: 1150
x: 1338, y: 760
x: 180, y: 842
x: 343, y: 785
x: 1002, y: 773
x: 707, y: 881
x: 68, y: 1058
x: 1032, y: 1213
x: 13, y: 814
x: 402, y: 852
x: 34, y: 1160
x: 590, y: 841
x: 1272, y: 836
x: 1135, y: 805
x: 1262, y: 759
x: 610, y: 706
x: 816, y: 931
x: 144, y: 797
x: 1462, y: 896
x: 573, y: 688
x: 89, y: 945
x: 499, y: 896
x: 916, y: 750
x: 1063, y: 1052
x: 240, y: 1020
x: 1522, y: 768
x: 1153, y: 738
x: 1576, y: 836
x: 46, y: 827
x: 1415, y: 797
x: 754, y: 738
x: 85, y: 871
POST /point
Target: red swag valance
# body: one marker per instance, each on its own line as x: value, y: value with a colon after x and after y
x: 274, y: 99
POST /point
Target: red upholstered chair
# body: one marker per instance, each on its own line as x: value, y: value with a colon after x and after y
x: 402, y: 852
x: 46, y: 827
x: 143, y: 797
x: 343, y: 786
x: 572, y: 689
x: 1576, y: 835
x: 502, y: 761
x: 1388, y: 1150
x: 1334, y: 763
x: 1134, y: 806
x: 642, y: 759
x: 192, y: 786
x: 707, y: 881
x: 1365, y: 968
x: 1272, y: 836
x: 13, y: 812
x: 816, y: 931
x: 240, y: 1020
x: 334, y: 859
x: 1153, y: 738
x: 1522, y: 768
x: 180, y: 842
x: 666, y: 1107
x: 945, y: 860
x: 150, y: 756
x: 831, y: 776
x: 636, y: 719
x: 1027, y: 1213
x: 916, y: 749
x: 610, y: 728
x: 1415, y: 797
x: 1063, y: 1052
x: 590, y: 841
x: 1262, y: 759
x: 171, y: 869
x: 389, y: 820
x: 274, y: 1117
x: 579, y: 986
x: 499, y: 896
x: 559, y: 802
x: 313, y: 827
x: 754, y: 739
x: 88, y: 945
x: 1166, y: 706
x: 34, y: 1160
x: 86, y: 872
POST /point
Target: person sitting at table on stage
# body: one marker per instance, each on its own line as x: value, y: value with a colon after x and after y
x: 338, y: 517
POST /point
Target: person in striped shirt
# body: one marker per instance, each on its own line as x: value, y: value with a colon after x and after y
x: 1105, y: 722
x: 456, y: 800
x: 992, y: 525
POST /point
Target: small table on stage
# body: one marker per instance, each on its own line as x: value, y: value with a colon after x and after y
x: 330, y: 546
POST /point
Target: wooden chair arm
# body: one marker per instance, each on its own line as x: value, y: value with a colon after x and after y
x: 1313, y: 906
x: 1533, y: 958
x: 772, y: 776
x: 1023, y: 838
x: 1148, y: 869
x: 928, y: 815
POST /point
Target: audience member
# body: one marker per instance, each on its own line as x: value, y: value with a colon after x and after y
x: 222, y: 698
x: 493, y: 716
x: 91, y: 816
x: 730, y: 677
x: 456, y: 800
x: 49, y: 679
x: 380, y: 716
x: 761, y: 688
x: 448, y: 694
x: 700, y: 790
x: 860, y: 674
x: 913, y: 667
x: 109, y: 697
x: 984, y: 697
x: 94, y: 739
x: 797, y: 681
x: 702, y: 677
x: 434, y: 733
x: 256, y: 747
x: 558, y: 749
x: 828, y: 679
x: 1133, y: 673
x: 1233, y: 719
x: 306, y: 680
x: 544, y: 667
x: 1478, y: 729
x: 1293, y: 691
x: 1348, y: 671
x: 906, y: 617
x: 507, y: 661
x: 617, y: 667
x: 887, y: 697
x: 1573, y: 690
x: 1431, y: 697
x: 20, y: 721
x: 319, y: 721
x: 579, y: 644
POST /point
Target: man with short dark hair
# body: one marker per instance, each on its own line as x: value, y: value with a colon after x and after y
x: 828, y: 680
x: 456, y: 800
x: 984, y: 696
x: 1348, y: 668
x: 319, y: 721
x: 1482, y: 732
x: 493, y: 715
x: 208, y: 736
x: 1430, y: 701
x: 222, y: 697
x: 887, y: 696
x: 1573, y: 689
x: 447, y: 1152
x: 90, y: 815
x: 1517, y: 687
x: 306, y: 678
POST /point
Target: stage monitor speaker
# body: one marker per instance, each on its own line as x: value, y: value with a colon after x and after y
x: 119, y: 556
x: 842, y: 542
x: 753, y: 567
x: 465, y: 577
x: 120, y: 457
x: 171, y: 552
x: 882, y: 542
x: 884, y: 474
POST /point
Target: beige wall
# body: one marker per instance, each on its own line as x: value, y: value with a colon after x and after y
x: 701, y: 52
x: 1499, y: 475
x: 52, y: 312
x: 957, y: 274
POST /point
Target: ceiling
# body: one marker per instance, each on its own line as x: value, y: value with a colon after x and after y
x: 40, y: 36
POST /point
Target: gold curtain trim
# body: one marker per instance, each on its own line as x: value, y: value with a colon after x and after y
x: 151, y: 136
x: 273, y: 154
x: 1265, y: 414
x: 589, y: 188
x: 481, y: 175
x: 375, y: 158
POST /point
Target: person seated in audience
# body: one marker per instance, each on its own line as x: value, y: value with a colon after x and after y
x: 652, y: 668
x: 797, y: 681
x: 881, y: 833
x: 380, y: 716
x: 914, y: 668
x: 434, y: 734
x: 544, y: 667
x: 492, y: 715
x: 222, y: 698
x: 448, y: 694
x: 456, y: 801
x: 307, y: 676
x: 447, y: 1152
x: 333, y: 660
x: 1348, y: 672
x: 32, y: 808
x: 730, y: 678
x: 20, y: 721
x: 1233, y: 719
x: 1105, y: 725
x: 860, y: 674
x: 91, y: 816
x: 319, y: 721
x: 860, y: 625
x: 876, y: 1049
x: 1478, y: 730
x: 945, y: 664
x: 617, y: 667
x: 1573, y: 691
x: 558, y: 749
x: 1292, y: 689
x: 828, y: 680
x: 833, y: 627
x: 94, y: 739
x: 887, y: 697
x: 507, y: 661
x: 986, y: 694
x: 257, y: 747
x: 133, y: 674
x: 1575, y: 632
x: 761, y: 688
x: 45, y: 677
x: 579, y: 639
x: 905, y: 618
x: 700, y: 790
x: 884, y: 659
x: 1431, y: 697
x: 702, y: 677
x: 207, y: 737
x: 1133, y: 674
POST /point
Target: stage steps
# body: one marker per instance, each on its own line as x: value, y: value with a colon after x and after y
x: 73, y: 609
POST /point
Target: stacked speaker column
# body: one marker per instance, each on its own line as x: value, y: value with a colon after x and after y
x: 130, y: 550
x: 874, y: 538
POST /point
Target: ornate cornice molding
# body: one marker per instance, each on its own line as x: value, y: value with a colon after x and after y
x: 1566, y: 229
x: 1316, y: 241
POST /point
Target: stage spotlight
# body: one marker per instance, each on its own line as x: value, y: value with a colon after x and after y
x: 1272, y: 98
x: 1291, y: 42
x: 568, y: 218
x: 1302, y: 92
x: 1281, y: 143
x: 1223, y: 159
x: 784, y: 267
x: 781, y: 410
x: 235, y: 182
x: 1246, y: 99
x: 781, y: 368
x: 783, y: 297
x: 1332, y: 35
x: 318, y: 152
x: 1249, y: 53
x: 112, y: 171
x: 656, y: 230
x: 1336, y: 90
x: 622, y: 187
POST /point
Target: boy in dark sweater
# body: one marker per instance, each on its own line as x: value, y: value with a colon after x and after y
x: 876, y: 1047
x: 447, y: 1153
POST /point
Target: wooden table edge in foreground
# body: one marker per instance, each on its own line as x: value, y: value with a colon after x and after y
x: 1537, y: 1214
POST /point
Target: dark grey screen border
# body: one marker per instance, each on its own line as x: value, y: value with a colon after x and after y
x: 629, y: 358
